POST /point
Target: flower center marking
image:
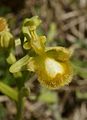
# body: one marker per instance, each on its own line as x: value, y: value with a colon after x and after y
x: 53, y: 67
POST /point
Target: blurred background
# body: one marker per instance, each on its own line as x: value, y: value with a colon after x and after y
x: 64, y: 22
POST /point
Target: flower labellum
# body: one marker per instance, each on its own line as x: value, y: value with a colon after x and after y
x: 53, y: 67
x: 53, y: 73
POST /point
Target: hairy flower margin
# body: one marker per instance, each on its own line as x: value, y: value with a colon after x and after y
x: 51, y: 64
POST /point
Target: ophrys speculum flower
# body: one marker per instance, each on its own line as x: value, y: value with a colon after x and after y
x: 51, y: 64
x: 5, y: 35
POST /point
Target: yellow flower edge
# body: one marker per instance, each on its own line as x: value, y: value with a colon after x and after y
x: 59, y: 53
x: 53, y: 74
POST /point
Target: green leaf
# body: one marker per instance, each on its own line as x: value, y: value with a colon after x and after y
x: 7, y: 90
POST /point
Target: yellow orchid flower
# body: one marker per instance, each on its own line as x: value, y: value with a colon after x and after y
x: 5, y: 35
x: 51, y: 64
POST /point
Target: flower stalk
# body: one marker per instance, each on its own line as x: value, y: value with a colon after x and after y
x: 20, y: 105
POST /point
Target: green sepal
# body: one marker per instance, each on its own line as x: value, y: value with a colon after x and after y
x: 17, y: 66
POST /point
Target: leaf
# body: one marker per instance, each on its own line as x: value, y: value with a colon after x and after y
x: 7, y: 90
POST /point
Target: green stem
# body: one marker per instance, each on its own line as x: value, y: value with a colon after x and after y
x: 20, y: 106
x: 7, y: 90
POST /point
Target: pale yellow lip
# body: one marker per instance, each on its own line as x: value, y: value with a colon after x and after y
x: 53, y: 67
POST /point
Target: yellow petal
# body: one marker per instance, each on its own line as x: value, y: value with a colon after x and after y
x: 58, y: 53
